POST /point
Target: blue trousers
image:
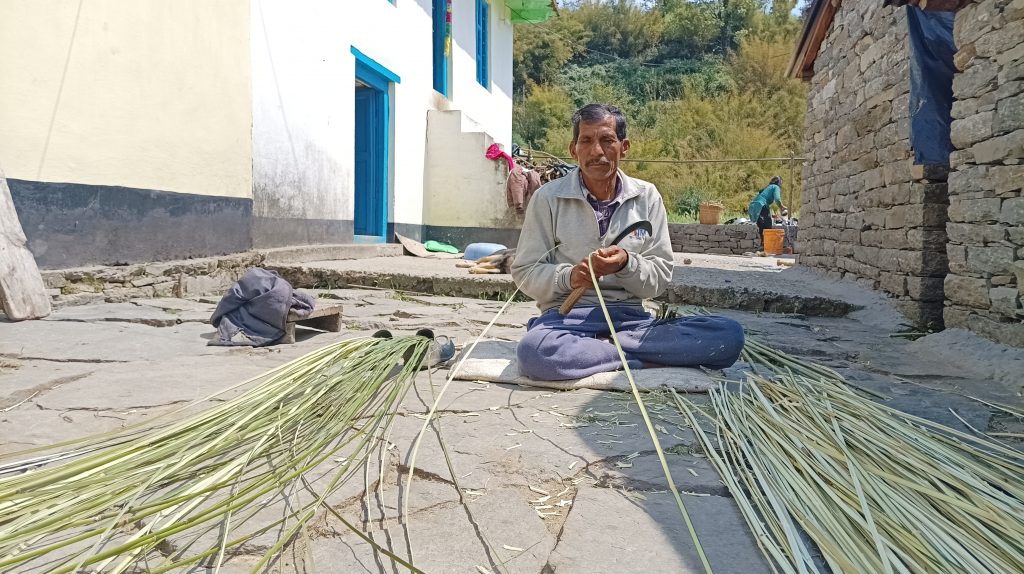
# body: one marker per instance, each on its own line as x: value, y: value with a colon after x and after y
x: 576, y: 345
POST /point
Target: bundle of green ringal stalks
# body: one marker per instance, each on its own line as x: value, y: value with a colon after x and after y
x: 173, y: 494
x: 877, y: 490
x: 829, y: 480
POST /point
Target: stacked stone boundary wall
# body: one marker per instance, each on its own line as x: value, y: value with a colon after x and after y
x: 721, y: 239
x: 734, y: 239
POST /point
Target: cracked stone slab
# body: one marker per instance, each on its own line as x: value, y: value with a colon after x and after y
x: 110, y: 342
x: 104, y: 342
x: 484, y: 396
x: 172, y: 304
x: 931, y: 396
x: 30, y: 427
x: 76, y: 399
x: 31, y: 379
x: 388, y: 503
x: 124, y: 387
x: 444, y: 540
x: 477, y: 445
x: 609, y: 531
x: 48, y: 563
x: 939, y: 407
x: 503, y: 519
x: 383, y: 507
x: 689, y: 473
x: 528, y: 444
x: 152, y: 315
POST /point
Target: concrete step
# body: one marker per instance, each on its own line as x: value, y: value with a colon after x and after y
x: 413, y: 274
x: 713, y: 288
x: 307, y: 253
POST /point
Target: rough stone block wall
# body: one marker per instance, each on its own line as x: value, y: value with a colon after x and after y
x: 986, y: 212
x: 116, y: 284
x: 867, y: 213
x: 723, y: 239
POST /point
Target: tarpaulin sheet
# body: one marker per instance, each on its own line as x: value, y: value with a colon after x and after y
x: 530, y: 11
x: 931, y: 84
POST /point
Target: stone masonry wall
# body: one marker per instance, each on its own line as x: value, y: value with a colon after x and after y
x: 986, y: 212
x: 725, y: 239
x: 115, y: 284
x: 190, y: 277
x: 867, y: 213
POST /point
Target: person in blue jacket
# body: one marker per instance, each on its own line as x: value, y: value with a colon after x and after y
x: 760, y: 209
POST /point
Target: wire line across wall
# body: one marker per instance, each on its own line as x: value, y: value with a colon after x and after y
x: 790, y: 160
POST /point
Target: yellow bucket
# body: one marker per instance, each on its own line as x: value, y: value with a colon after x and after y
x: 773, y: 241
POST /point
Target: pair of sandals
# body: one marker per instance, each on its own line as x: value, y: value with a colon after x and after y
x: 440, y: 352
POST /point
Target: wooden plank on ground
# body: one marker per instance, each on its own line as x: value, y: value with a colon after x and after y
x: 21, y: 285
x: 325, y: 318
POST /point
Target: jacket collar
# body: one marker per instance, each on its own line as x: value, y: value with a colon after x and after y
x: 575, y: 191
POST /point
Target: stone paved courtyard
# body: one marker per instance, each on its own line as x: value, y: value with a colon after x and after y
x: 97, y: 367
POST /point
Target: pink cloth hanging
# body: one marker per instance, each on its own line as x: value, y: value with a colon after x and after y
x: 494, y: 152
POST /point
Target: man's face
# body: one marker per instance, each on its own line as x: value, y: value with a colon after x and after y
x: 597, y: 149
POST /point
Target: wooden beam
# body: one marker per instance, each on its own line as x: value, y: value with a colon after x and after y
x: 818, y: 34
x: 818, y: 25
x: 21, y: 285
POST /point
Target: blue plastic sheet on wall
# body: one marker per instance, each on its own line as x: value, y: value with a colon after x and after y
x: 931, y: 84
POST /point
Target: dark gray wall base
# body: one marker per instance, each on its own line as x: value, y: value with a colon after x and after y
x: 75, y: 225
x: 410, y: 230
x: 285, y: 232
x: 458, y: 236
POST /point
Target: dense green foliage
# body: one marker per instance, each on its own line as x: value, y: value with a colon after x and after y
x: 698, y: 79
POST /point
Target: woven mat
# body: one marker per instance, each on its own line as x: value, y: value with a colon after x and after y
x: 495, y: 361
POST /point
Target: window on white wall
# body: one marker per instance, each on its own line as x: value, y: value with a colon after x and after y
x: 442, y: 17
x: 483, y: 53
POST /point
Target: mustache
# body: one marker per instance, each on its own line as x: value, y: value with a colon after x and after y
x: 598, y: 162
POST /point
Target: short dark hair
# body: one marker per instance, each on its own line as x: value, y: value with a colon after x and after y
x: 596, y: 113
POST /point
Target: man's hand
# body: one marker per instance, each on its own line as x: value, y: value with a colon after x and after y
x: 607, y: 261
x: 580, y: 275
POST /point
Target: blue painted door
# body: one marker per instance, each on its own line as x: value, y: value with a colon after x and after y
x: 370, y: 163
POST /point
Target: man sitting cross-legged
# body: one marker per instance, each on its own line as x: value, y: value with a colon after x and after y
x: 582, y: 213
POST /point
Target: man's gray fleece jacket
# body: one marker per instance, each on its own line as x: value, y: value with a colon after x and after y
x: 559, y: 214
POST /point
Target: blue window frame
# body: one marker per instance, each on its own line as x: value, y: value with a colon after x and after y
x: 440, y: 15
x: 483, y: 56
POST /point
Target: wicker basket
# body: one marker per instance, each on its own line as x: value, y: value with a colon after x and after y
x: 711, y: 212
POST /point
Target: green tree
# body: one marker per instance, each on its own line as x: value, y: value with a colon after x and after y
x: 546, y: 108
x: 698, y: 79
x: 619, y: 29
x: 691, y: 28
x: 735, y: 16
x: 541, y: 51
